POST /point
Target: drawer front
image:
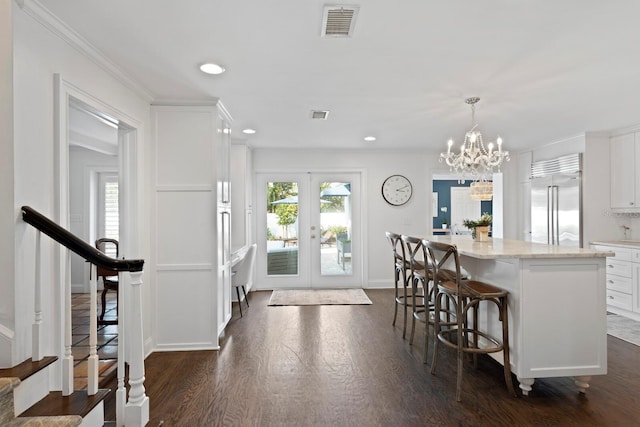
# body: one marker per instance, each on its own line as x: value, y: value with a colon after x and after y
x: 619, y: 299
x: 622, y: 254
x: 620, y: 284
x: 618, y: 268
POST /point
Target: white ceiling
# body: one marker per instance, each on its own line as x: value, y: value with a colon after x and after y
x: 545, y: 70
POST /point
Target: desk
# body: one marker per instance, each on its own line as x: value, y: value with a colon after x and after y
x: 557, y: 305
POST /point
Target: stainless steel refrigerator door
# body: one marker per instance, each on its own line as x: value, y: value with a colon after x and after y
x: 540, y: 226
x: 568, y: 227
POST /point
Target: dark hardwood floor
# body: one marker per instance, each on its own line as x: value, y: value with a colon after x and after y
x: 347, y: 366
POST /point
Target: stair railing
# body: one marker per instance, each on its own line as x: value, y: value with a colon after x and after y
x: 135, y: 411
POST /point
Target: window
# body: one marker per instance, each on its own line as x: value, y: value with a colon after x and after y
x: 108, y: 209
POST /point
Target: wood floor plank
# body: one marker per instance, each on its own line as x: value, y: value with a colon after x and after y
x: 347, y: 366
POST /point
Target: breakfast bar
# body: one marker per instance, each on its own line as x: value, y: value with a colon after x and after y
x: 557, y: 305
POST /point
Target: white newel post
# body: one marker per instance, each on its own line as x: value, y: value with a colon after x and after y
x: 36, y: 347
x: 67, y: 359
x: 92, y: 363
x: 121, y: 391
x: 137, y: 410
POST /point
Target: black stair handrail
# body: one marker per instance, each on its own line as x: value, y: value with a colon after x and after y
x: 77, y: 245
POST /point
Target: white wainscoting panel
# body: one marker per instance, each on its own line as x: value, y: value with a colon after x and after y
x: 184, y: 146
x: 186, y: 227
x: 186, y: 301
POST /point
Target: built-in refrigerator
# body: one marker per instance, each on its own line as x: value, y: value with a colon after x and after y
x: 556, y: 201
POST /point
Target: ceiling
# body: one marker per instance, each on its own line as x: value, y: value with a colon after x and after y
x: 544, y: 70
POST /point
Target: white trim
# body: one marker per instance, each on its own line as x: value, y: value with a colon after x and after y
x: 130, y: 136
x: 186, y: 347
x: 186, y: 188
x: 54, y: 24
x: 379, y: 284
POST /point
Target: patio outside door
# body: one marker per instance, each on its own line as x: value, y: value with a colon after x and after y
x: 308, y: 231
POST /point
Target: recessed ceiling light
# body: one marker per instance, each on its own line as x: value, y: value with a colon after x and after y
x: 249, y: 131
x: 369, y: 138
x: 211, y: 68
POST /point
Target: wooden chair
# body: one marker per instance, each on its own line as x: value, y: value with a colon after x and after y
x: 327, y: 239
x: 109, y: 279
x: 241, y: 274
x: 465, y: 296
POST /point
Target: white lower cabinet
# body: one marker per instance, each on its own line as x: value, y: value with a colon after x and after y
x: 623, y: 280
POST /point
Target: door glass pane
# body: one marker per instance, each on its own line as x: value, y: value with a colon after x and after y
x: 335, y: 224
x: 282, y: 228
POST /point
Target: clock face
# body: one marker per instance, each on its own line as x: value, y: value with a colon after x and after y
x: 396, y: 190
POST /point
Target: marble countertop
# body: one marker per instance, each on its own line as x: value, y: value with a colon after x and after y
x: 633, y: 244
x: 504, y: 248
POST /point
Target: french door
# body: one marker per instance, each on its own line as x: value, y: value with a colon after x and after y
x: 309, y: 233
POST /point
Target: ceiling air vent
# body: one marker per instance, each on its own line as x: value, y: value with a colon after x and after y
x: 339, y: 20
x: 319, y: 115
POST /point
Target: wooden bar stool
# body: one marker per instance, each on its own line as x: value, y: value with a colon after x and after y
x: 466, y: 295
x: 401, y: 269
x: 419, y: 277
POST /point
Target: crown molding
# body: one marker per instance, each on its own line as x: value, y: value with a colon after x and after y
x: 34, y: 9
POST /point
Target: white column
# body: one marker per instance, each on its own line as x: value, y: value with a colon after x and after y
x: 137, y: 411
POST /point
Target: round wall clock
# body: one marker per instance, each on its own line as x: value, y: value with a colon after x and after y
x: 396, y: 190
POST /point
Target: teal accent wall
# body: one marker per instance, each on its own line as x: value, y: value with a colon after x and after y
x: 443, y: 188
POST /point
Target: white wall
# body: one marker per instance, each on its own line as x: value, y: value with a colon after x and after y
x: 7, y: 211
x: 38, y: 55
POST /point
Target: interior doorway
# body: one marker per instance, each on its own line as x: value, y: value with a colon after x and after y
x: 91, y: 130
x: 452, y: 204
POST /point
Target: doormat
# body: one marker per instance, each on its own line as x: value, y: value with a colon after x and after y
x: 319, y: 297
x: 624, y: 328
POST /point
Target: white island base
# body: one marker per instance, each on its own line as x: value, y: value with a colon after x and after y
x: 557, y: 306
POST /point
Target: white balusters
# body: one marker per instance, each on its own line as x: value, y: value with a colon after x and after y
x: 36, y: 330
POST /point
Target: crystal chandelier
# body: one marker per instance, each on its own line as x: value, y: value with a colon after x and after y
x: 475, y: 161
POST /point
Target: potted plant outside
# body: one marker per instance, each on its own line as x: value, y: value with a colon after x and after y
x: 480, y: 227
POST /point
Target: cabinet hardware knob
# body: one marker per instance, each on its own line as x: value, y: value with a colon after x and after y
x: 610, y: 297
x: 610, y: 281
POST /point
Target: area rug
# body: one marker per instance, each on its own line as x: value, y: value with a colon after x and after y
x: 624, y: 328
x: 319, y: 297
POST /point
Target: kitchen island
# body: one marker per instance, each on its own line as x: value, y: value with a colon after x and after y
x: 557, y: 306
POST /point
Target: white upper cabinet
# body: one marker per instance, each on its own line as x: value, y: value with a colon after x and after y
x: 624, y: 153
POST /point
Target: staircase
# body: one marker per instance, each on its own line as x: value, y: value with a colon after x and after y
x: 32, y: 402
x: 40, y: 391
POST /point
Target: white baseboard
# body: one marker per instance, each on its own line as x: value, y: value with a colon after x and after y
x: 185, y: 347
x: 379, y: 284
x: 79, y: 288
